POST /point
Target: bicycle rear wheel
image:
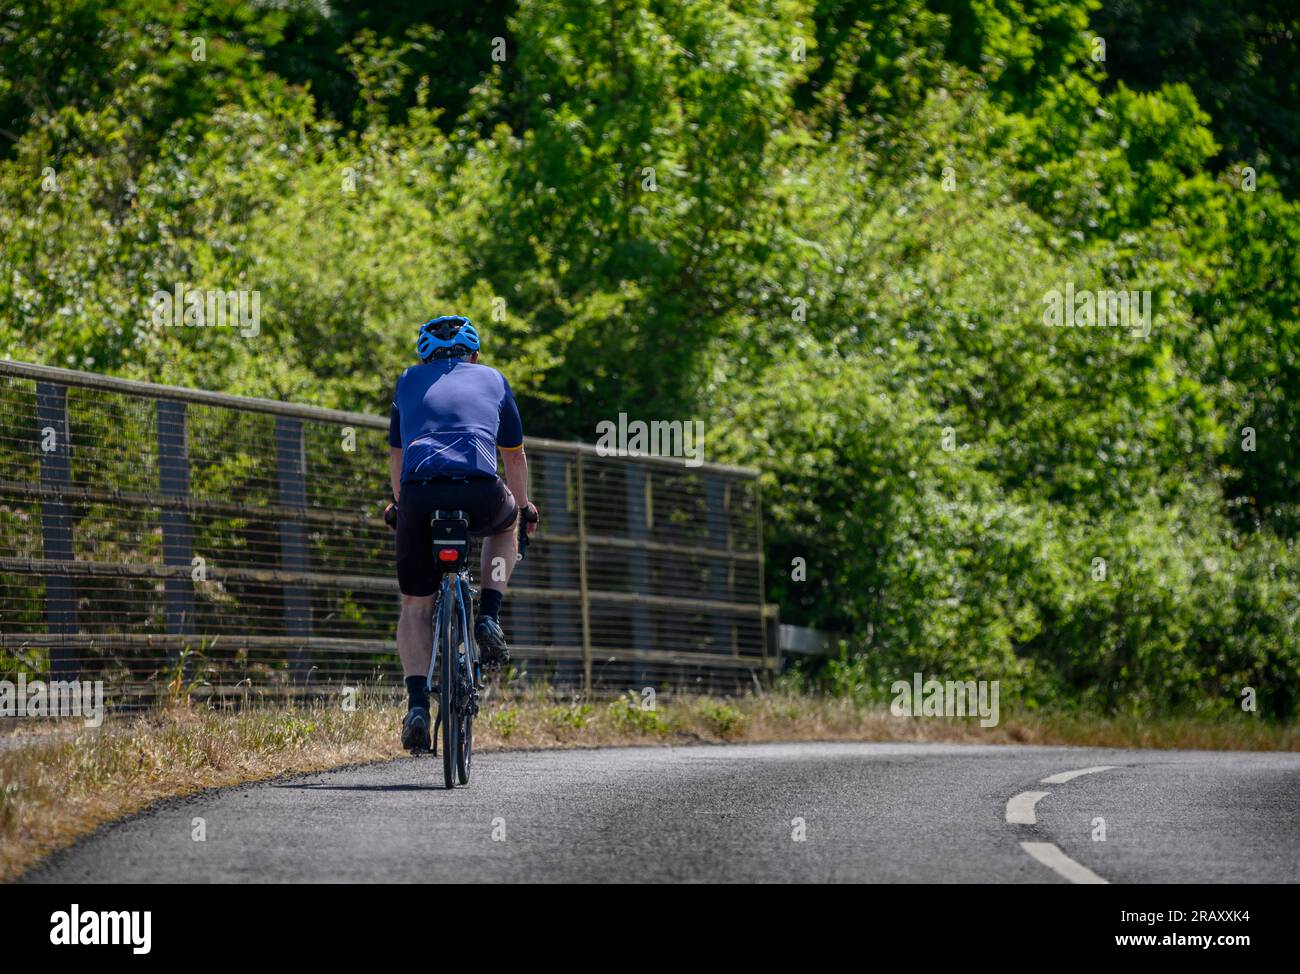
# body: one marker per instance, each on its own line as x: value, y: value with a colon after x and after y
x: 447, y: 677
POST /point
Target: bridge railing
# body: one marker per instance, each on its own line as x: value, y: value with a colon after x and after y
x: 152, y: 535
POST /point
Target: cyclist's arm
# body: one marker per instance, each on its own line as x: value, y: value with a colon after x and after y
x: 516, y: 468
x: 395, y: 470
x: 395, y: 449
x: 510, y: 441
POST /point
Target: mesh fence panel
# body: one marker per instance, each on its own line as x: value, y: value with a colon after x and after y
x: 155, y: 537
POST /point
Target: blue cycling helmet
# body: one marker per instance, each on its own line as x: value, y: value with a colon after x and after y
x: 451, y: 336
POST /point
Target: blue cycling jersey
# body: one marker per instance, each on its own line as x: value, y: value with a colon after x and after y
x: 449, y: 416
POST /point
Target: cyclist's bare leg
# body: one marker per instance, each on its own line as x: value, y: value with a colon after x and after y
x: 498, y: 562
x: 415, y: 634
x: 499, y: 551
x: 415, y: 647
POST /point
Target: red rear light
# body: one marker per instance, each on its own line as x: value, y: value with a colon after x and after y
x: 448, y: 554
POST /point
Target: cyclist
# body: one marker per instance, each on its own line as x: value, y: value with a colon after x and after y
x: 450, y: 415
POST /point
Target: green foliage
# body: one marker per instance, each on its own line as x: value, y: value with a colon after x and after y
x: 1242, y: 61
x: 569, y: 719
x: 721, y: 718
x: 626, y: 714
x: 826, y: 227
x: 504, y: 721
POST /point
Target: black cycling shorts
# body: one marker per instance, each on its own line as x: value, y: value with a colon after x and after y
x: 488, y: 502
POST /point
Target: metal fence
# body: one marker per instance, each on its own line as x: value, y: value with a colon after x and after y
x: 152, y: 535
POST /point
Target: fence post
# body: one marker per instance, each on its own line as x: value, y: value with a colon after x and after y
x: 719, y: 569
x: 291, y: 465
x: 769, y: 644
x: 582, y: 582
x: 178, y: 534
x: 56, y: 521
x: 561, y: 615
x: 637, y: 500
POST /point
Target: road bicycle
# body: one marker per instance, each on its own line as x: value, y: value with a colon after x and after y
x: 455, y: 661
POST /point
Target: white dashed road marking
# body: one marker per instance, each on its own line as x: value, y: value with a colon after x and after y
x: 1057, y: 861
x: 1020, y: 810
x: 1064, y: 776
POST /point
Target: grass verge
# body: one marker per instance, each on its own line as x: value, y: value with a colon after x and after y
x: 59, y: 782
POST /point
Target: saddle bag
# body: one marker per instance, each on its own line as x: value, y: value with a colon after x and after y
x: 450, y: 540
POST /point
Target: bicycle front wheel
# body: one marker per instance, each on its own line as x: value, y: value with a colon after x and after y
x: 466, y: 748
x: 465, y: 683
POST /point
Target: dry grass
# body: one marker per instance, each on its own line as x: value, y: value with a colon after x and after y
x: 58, y: 783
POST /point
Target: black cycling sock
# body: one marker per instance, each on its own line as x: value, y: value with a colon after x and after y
x: 489, y: 603
x: 417, y: 690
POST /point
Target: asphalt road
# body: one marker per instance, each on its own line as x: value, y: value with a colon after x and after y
x: 921, y: 813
